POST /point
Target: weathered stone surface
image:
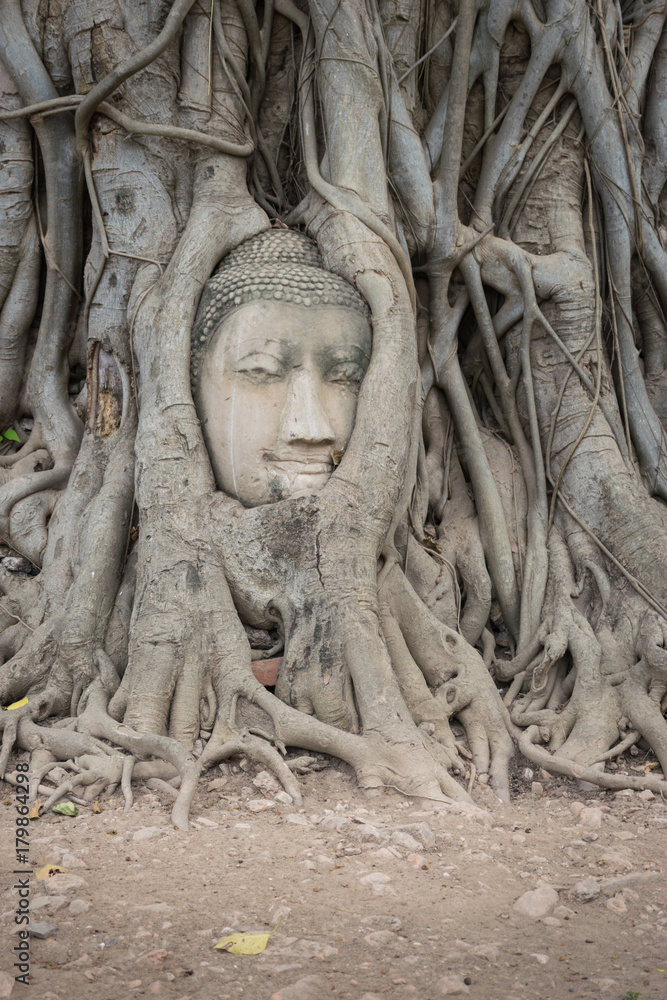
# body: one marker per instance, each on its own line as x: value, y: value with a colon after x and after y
x: 617, y: 904
x: 41, y: 929
x: 490, y: 952
x: 63, y: 883
x: 6, y: 985
x: 375, y: 878
x: 403, y: 839
x: 78, y: 906
x: 420, y: 831
x: 205, y: 821
x: 49, y: 903
x: 297, y: 819
x: 586, y: 890
x: 364, y: 832
x: 147, y: 833
x: 217, y: 784
x: 266, y: 782
x: 591, y: 818
x: 536, y: 903
x: 70, y: 861
x: 334, y: 822
x: 260, y: 805
x: 378, y: 882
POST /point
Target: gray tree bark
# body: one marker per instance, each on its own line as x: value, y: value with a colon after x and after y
x: 492, y: 547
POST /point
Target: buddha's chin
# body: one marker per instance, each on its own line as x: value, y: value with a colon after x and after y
x: 282, y: 486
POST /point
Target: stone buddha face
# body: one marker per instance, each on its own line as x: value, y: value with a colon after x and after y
x: 277, y: 386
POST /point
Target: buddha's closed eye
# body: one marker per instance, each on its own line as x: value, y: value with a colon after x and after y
x: 262, y: 369
x: 346, y: 373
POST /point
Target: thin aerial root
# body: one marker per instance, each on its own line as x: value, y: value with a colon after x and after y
x: 181, y: 809
x: 620, y: 748
x: 260, y: 749
x: 499, y: 773
x: 514, y: 688
x: 65, y: 787
x: 158, y: 785
x: 96, y: 720
x: 39, y: 773
x: 8, y: 741
x: 11, y: 779
x: 107, y: 671
x: 77, y: 691
x: 126, y: 782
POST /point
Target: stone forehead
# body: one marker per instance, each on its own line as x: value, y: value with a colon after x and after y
x: 276, y: 266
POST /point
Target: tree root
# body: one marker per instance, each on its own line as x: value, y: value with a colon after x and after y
x: 532, y: 751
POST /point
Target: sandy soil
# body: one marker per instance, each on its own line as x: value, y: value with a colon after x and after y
x: 374, y: 896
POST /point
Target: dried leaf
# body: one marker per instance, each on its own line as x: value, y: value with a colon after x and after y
x: 65, y: 809
x: 17, y: 704
x: 96, y: 807
x: 336, y: 456
x: 48, y: 870
x: 34, y: 812
x: 246, y: 944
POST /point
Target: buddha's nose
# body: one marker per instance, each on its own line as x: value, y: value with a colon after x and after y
x: 304, y: 417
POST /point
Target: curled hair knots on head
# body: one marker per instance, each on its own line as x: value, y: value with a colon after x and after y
x: 278, y: 265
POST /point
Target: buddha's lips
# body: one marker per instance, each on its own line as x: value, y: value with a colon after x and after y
x: 301, y: 466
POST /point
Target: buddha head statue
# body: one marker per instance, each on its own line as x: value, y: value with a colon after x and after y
x: 279, y: 349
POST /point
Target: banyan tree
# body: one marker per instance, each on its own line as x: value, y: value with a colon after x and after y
x: 333, y: 331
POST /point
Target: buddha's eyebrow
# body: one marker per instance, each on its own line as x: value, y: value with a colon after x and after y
x: 279, y: 350
x: 254, y: 352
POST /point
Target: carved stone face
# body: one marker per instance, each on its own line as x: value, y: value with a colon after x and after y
x: 278, y: 396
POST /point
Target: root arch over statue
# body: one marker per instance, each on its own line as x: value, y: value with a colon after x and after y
x: 444, y: 382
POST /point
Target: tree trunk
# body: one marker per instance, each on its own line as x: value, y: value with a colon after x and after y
x: 491, y: 544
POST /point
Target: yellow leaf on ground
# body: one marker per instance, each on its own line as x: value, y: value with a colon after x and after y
x: 17, y: 704
x: 246, y: 944
x: 34, y: 812
x: 96, y: 807
x: 48, y: 870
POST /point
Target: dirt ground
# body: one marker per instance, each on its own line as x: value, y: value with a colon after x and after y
x: 371, y: 897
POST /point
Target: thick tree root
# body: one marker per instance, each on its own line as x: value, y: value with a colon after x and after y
x: 532, y: 751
